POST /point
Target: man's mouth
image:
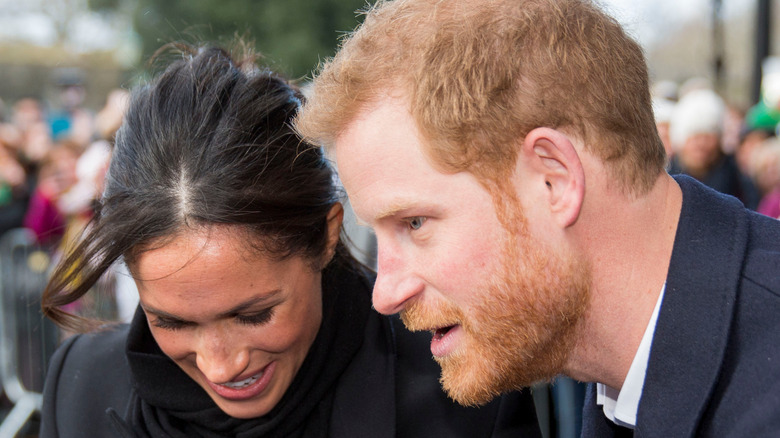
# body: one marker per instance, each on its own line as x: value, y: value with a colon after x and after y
x: 445, y: 339
x: 441, y: 332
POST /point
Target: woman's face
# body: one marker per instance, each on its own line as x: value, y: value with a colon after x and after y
x: 238, y: 323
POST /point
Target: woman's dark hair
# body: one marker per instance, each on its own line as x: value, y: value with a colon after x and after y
x: 209, y: 141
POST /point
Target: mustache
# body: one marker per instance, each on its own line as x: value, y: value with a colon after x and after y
x: 419, y: 316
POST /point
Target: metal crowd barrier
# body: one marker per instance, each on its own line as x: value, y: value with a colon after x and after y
x: 27, y: 339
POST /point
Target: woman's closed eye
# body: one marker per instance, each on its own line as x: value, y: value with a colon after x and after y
x: 256, y: 318
x: 170, y: 323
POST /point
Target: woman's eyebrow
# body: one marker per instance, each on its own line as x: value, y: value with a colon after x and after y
x: 260, y: 299
x: 266, y: 297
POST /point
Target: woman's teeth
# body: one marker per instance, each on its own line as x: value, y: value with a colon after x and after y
x: 243, y: 383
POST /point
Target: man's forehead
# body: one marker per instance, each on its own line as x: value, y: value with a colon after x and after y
x: 382, y: 132
x: 381, y: 162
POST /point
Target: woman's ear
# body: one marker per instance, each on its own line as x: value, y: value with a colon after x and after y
x: 335, y: 218
x: 555, y: 161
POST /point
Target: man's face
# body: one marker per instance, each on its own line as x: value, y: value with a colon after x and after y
x: 502, y: 304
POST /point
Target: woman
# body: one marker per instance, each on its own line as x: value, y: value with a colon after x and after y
x: 254, y: 320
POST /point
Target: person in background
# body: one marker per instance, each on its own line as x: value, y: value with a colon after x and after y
x: 662, y: 110
x: 695, y: 131
x: 93, y: 162
x: 760, y: 124
x: 664, y: 95
x: 69, y: 119
x: 254, y: 318
x: 14, y: 184
x: 56, y: 176
x: 92, y: 171
x: 34, y: 134
x: 115, y: 294
x: 26, y: 143
x: 765, y: 170
x: 506, y: 155
x: 750, y: 139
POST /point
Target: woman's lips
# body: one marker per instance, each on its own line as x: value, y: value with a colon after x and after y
x: 246, y: 387
x: 244, y: 383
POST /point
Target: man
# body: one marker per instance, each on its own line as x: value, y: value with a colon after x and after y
x: 506, y: 156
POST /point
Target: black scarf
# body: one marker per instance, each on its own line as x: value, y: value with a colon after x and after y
x: 171, y: 404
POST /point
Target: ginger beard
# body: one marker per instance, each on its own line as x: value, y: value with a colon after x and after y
x: 520, y: 331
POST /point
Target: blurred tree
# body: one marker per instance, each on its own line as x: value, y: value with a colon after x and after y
x: 293, y: 35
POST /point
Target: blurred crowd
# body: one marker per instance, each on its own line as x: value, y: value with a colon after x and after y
x: 54, y: 155
x: 735, y: 151
x: 53, y: 158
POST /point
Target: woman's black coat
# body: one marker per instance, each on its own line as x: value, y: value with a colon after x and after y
x: 390, y: 389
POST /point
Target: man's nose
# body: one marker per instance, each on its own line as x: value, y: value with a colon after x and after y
x: 395, y: 283
x: 219, y: 357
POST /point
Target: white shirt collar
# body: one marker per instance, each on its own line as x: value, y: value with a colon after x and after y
x: 621, y: 406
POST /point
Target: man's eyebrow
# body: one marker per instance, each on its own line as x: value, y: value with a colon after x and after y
x: 393, y: 209
x: 268, y: 297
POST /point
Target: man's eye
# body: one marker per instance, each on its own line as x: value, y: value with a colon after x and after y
x: 416, y: 222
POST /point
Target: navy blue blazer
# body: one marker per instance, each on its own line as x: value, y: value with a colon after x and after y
x: 714, y: 367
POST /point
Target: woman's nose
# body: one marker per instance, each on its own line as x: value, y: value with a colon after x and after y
x: 220, y: 359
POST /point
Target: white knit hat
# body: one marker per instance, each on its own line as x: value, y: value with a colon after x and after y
x: 698, y: 112
x: 662, y: 109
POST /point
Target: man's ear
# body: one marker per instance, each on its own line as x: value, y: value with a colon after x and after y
x: 553, y: 158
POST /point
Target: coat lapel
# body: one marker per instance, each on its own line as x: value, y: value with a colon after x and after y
x: 696, y: 313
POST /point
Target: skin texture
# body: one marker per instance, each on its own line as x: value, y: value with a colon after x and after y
x: 502, y: 303
x: 224, y: 312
